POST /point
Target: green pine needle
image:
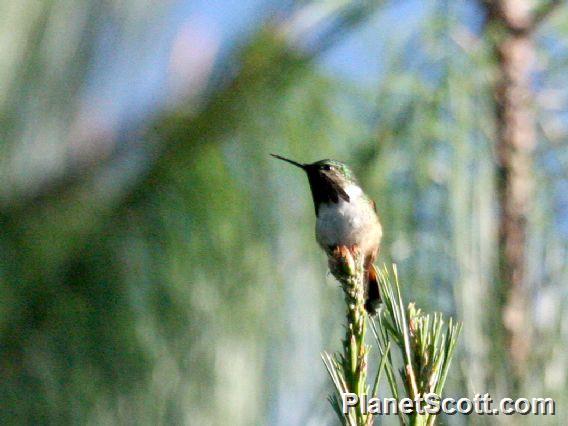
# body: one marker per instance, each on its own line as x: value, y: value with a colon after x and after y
x: 425, y: 341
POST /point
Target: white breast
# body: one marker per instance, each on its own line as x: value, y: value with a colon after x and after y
x: 346, y: 223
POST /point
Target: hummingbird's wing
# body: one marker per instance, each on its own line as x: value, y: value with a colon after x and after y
x: 373, y: 293
x: 337, y: 191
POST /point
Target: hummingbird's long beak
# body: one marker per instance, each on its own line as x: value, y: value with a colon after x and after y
x: 301, y: 166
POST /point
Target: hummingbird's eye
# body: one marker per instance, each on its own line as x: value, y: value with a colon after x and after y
x: 327, y: 167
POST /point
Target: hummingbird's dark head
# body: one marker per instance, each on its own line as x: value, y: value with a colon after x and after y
x: 328, y: 180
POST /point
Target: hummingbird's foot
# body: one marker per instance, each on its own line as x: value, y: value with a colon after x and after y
x: 354, y: 249
x: 341, y: 260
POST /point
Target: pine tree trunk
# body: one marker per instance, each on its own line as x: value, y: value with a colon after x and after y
x: 512, y: 24
x: 516, y: 140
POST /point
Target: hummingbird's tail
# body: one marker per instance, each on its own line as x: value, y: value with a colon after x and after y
x: 372, y: 291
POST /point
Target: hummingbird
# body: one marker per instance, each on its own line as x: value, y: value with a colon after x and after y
x: 345, y: 217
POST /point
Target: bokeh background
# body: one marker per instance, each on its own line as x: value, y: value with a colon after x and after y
x: 158, y: 267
